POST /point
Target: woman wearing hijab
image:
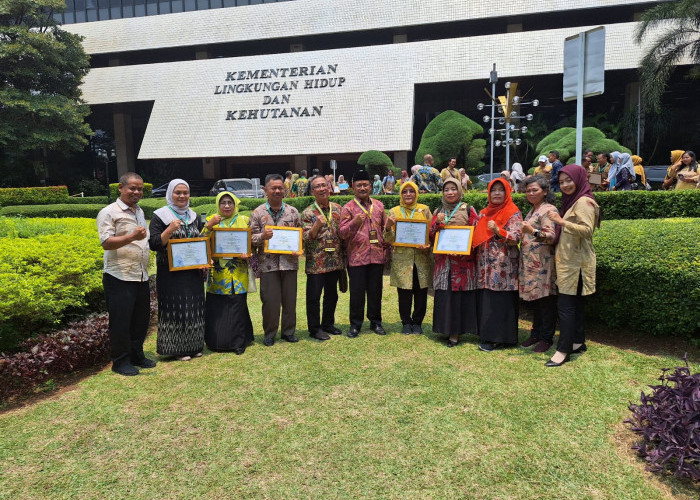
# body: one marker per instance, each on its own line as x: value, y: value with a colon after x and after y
x: 671, y: 179
x: 377, y: 186
x: 411, y: 268
x: 228, y: 326
x: 496, y: 239
x: 614, y: 169
x: 640, y: 176
x: 465, y: 180
x: 295, y: 189
x: 537, y: 273
x: 574, y: 258
x: 404, y: 177
x: 687, y: 174
x: 180, y: 293
x: 625, y: 173
x: 454, y: 278
x: 517, y: 176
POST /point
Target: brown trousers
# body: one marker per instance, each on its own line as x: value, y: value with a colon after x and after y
x: 278, y: 289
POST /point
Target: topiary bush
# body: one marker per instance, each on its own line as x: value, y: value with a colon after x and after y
x: 375, y: 162
x: 668, y: 420
x: 564, y: 141
x: 453, y: 134
x: 33, y: 195
x: 648, y: 275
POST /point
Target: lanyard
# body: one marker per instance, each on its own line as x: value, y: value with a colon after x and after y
x: 406, y: 216
x: 279, y: 214
x: 183, y: 220
x: 371, y: 208
x: 449, y: 217
x: 329, y: 218
x: 230, y: 224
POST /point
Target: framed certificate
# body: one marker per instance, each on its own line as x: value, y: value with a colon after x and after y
x: 595, y: 179
x: 285, y: 240
x: 455, y: 240
x: 411, y: 233
x: 228, y: 242
x: 188, y: 253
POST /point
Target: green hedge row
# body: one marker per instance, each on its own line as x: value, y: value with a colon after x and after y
x: 59, y: 210
x: 49, y: 269
x: 86, y: 200
x: 648, y: 276
x: 33, y: 195
x: 114, y: 190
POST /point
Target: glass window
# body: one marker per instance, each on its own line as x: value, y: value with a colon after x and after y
x: 216, y: 4
x: 176, y: 5
x: 139, y: 8
x: 190, y: 5
x: 128, y: 8
x: 203, y: 5
x: 164, y: 7
x: 151, y: 7
x: 241, y: 2
x: 229, y: 3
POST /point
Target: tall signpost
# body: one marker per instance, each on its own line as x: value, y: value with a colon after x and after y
x: 584, y: 73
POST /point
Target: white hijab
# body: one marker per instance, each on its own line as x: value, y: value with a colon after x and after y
x: 517, y: 174
x: 615, y: 156
x: 168, y: 213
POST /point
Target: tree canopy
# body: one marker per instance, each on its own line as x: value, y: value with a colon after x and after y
x: 375, y: 162
x: 452, y: 134
x: 41, y: 69
x: 681, y: 20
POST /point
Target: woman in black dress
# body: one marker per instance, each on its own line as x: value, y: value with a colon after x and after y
x: 180, y: 293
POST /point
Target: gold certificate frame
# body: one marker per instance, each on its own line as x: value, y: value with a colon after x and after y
x: 454, y: 240
x: 411, y: 233
x: 188, y: 253
x: 285, y: 240
x: 230, y: 242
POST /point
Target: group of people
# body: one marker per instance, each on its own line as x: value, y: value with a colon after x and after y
x: 614, y: 171
x: 536, y: 257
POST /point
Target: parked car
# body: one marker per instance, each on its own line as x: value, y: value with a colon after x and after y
x: 488, y: 177
x: 160, y: 191
x: 656, y: 175
x: 242, y: 188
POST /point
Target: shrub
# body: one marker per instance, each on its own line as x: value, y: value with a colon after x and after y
x: 564, y: 141
x: 86, y: 200
x: 33, y: 195
x: 452, y: 134
x: 648, y: 275
x: 668, y: 420
x: 46, y: 277
x: 59, y: 210
x: 114, y: 190
x: 375, y: 162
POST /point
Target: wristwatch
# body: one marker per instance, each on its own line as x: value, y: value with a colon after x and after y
x: 536, y: 233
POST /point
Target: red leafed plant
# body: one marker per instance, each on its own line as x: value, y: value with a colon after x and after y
x: 668, y: 420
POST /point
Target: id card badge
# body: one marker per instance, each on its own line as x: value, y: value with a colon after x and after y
x: 329, y: 245
x: 373, y: 238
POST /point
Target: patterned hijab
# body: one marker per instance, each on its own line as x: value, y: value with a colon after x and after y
x: 500, y: 214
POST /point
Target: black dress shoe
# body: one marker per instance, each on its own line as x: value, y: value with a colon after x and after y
x: 353, y: 332
x: 319, y: 335
x: 378, y: 329
x: 144, y: 363
x: 407, y: 329
x: 239, y: 350
x: 290, y: 338
x: 269, y: 341
x: 332, y: 330
x: 417, y: 329
x: 452, y: 343
x: 582, y: 348
x: 125, y: 368
x: 551, y: 363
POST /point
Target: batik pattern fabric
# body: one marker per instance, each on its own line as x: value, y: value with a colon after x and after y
x: 498, y: 259
x: 455, y: 272
x: 318, y: 260
x: 537, y: 269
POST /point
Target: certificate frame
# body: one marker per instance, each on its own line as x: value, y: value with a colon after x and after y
x: 232, y: 232
x: 403, y: 223
x: 297, y: 230
x: 198, y: 245
x: 596, y: 179
x: 441, y: 249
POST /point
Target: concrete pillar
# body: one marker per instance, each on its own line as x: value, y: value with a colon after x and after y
x: 201, y: 53
x: 514, y: 28
x: 632, y: 103
x: 401, y: 160
x: 209, y: 170
x: 401, y: 38
x: 124, y: 140
x: 301, y: 162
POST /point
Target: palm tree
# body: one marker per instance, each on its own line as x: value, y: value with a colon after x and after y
x: 681, y: 40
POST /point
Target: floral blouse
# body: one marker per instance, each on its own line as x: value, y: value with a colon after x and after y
x: 318, y: 260
x: 498, y: 259
x: 228, y: 276
x: 537, y: 271
x: 404, y: 258
x: 455, y: 272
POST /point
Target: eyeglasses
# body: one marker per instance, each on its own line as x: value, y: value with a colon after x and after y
x: 227, y: 203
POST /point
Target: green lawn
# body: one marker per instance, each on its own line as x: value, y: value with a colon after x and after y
x: 372, y: 417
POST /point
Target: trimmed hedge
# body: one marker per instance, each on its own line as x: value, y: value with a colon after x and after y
x: 62, y: 210
x: 33, y: 195
x: 114, y: 190
x: 86, y: 200
x: 648, y: 276
x: 46, y: 277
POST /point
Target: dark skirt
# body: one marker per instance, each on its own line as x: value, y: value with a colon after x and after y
x: 228, y: 324
x: 498, y: 317
x: 180, y: 312
x: 454, y: 313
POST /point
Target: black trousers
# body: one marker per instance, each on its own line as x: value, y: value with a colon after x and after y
x: 315, y: 284
x: 544, y: 318
x: 365, y: 281
x: 128, y: 305
x: 571, y: 320
x: 416, y: 296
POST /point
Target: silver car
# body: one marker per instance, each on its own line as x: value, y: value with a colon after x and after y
x: 242, y: 188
